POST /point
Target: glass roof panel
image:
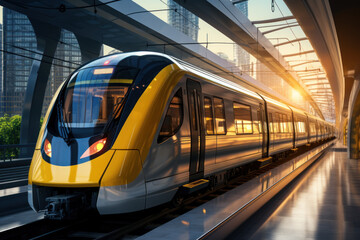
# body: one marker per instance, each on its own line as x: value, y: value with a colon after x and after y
x: 297, y: 51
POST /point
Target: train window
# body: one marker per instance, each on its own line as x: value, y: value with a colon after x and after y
x: 209, y: 119
x: 290, y: 123
x: 92, y: 95
x: 242, y: 117
x: 286, y: 123
x: 219, y: 115
x: 271, y: 123
x: 277, y: 123
x: 281, y: 122
x: 173, y: 118
x: 258, y: 123
x: 300, y: 125
x: 312, y: 127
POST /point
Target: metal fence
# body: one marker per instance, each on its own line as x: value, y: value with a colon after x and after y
x: 16, y: 153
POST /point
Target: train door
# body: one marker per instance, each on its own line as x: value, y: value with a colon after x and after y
x: 264, y: 131
x: 197, y: 130
x: 294, y: 131
x: 271, y: 130
x: 308, y: 129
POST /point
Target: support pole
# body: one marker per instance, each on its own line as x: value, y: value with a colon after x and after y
x: 47, y: 37
x: 89, y: 48
x: 353, y: 133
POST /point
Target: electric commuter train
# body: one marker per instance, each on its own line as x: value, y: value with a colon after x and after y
x: 127, y: 131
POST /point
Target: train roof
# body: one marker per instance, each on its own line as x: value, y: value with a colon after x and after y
x: 114, y: 59
x: 215, y: 78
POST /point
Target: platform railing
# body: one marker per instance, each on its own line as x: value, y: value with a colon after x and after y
x: 10, y: 155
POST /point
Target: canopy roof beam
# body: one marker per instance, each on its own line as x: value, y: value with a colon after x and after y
x: 312, y: 79
x: 292, y: 41
x: 269, y: 20
x: 281, y: 28
x: 307, y: 62
x: 316, y: 84
x: 298, y: 54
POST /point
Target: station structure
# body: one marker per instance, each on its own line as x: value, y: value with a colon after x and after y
x: 301, y: 52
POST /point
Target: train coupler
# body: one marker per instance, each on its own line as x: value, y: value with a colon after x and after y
x: 61, y: 207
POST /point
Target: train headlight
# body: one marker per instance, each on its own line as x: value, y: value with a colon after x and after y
x: 47, y: 148
x: 94, y: 148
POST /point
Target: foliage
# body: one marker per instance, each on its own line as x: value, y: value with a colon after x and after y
x: 10, y: 129
x: 10, y: 134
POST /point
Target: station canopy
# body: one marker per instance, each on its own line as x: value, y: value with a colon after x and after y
x: 277, y: 23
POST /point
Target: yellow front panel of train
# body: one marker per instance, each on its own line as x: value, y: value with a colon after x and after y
x: 87, y: 174
x: 124, y: 168
x: 139, y: 129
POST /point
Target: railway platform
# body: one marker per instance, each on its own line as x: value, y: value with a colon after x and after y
x: 13, y: 186
x: 323, y: 203
x: 223, y: 216
x: 14, y: 208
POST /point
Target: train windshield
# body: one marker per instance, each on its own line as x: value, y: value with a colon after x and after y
x: 95, y: 95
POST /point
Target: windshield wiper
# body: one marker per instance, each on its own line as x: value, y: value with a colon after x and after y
x: 64, y: 129
x: 117, y: 109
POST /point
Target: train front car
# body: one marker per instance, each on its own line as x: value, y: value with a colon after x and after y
x: 93, y: 142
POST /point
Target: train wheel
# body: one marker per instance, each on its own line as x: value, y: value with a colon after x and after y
x: 178, y: 199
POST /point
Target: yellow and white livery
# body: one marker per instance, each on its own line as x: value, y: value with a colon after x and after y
x: 127, y: 131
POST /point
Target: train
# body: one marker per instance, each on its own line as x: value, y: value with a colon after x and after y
x: 130, y: 131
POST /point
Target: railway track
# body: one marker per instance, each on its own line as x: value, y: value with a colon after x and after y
x: 130, y: 226
x: 13, y: 176
x: 13, y: 173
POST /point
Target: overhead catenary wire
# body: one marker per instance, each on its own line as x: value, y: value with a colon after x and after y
x: 61, y: 6
x: 187, y: 43
x: 31, y: 51
x: 150, y: 11
x: 36, y: 59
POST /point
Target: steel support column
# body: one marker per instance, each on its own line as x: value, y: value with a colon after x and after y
x: 353, y: 132
x: 47, y: 37
x: 89, y: 48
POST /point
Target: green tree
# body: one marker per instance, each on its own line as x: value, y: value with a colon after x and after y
x: 10, y: 129
x: 10, y: 134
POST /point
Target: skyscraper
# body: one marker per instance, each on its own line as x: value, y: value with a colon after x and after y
x: 1, y: 60
x: 242, y: 57
x: 17, y: 35
x: 19, y: 43
x: 183, y: 20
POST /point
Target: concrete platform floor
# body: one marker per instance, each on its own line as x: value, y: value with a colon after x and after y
x: 322, y: 203
x: 19, y: 219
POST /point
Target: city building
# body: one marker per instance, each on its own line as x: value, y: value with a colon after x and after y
x: 183, y: 20
x: 242, y: 57
x: 17, y: 36
x: 19, y: 46
x: 1, y: 59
